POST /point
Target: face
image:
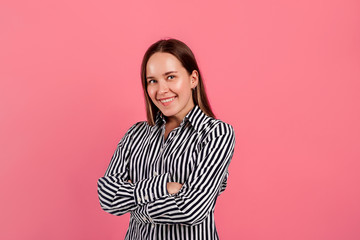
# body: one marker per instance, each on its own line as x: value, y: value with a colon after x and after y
x: 169, y: 85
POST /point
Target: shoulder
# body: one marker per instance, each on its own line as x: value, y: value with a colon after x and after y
x: 216, y: 127
x: 138, y: 127
x: 215, y: 134
x: 134, y: 130
x: 215, y: 131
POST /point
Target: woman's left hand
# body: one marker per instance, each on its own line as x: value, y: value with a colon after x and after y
x: 173, y: 187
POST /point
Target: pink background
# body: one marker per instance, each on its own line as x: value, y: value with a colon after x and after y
x: 284, y: 73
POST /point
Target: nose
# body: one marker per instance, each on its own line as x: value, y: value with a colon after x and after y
x: 163, y: 87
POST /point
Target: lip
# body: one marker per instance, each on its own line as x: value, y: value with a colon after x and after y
x: 161, y: 99
x: 166, y: 103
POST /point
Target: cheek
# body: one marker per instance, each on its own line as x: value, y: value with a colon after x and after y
x: 181, y: 86
x: 151, y: 92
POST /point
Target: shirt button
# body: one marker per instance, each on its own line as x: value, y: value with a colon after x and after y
x: 146, y: 198
x: 144, y: 218
x: 139, y: 199
x: 155, y: 173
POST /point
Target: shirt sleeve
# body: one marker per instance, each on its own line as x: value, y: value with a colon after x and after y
x: 224, y: 183
x: 193, y: 203
x: 117, y: 196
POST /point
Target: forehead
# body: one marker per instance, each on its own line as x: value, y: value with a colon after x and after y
x: 161, y: 62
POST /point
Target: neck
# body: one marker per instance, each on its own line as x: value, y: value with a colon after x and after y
x: 177, y: 119
x: 173, y: 121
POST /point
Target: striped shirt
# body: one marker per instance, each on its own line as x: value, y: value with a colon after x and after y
x: 197, y: 154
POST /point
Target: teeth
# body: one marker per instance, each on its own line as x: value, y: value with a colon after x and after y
x: 167, y: 100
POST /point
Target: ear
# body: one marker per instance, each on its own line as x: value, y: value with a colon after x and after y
x: 194, y: 78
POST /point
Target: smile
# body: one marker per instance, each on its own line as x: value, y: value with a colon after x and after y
x: 167, y: 100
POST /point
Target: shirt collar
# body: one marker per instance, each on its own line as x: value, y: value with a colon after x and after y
x: 195, y: 116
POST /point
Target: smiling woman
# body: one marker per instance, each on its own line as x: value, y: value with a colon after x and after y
x: 169, y: 170
x: 170, y: 87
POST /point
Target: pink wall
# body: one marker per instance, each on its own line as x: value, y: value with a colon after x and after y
x: 284, y: 73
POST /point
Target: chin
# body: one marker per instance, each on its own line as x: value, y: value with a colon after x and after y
x: 168, y: 112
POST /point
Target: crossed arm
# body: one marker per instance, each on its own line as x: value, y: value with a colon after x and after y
x: 156, y: 199
x: 171, y: 187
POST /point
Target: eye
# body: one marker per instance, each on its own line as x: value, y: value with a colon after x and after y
x: 152, y: 81
x: 171, y: 77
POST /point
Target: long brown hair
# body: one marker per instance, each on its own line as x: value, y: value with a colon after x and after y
x: 184, y: 54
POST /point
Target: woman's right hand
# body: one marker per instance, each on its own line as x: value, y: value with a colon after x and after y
x: 173, y: 187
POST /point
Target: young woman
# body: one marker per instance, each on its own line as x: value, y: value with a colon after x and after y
x: 169, y: 170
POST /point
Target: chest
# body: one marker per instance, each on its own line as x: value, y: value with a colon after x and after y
x: 152, y: 154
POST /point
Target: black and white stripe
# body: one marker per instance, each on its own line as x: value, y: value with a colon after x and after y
x: 197, y: 154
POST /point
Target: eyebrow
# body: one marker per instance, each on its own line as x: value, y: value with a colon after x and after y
x: 167, y: 73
